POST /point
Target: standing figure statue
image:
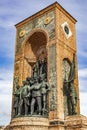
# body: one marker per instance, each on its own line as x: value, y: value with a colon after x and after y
x: 44, y: 89
x: 16, y: 99
x: 24, y: 99
x: 71, y: 92
x: 43, y: 67
x: 36, y: 69
x: 36, y: 96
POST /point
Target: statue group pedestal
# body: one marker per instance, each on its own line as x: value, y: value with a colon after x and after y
x: 76, y: 122
x: 29, y: 123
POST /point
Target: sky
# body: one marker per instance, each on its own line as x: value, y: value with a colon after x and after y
x: 14, y: 11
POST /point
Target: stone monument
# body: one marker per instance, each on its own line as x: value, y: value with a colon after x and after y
x: 45, y: 86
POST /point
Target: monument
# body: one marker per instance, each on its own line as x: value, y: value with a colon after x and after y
x: 45, y: 86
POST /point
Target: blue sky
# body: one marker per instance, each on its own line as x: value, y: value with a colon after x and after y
x: 14, y: 11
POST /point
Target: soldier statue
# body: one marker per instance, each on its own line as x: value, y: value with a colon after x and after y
x: 44, y: 89
x: 71, y: 92
x: 16, y: 99
x: 36, y: 96
x: 24, y: 98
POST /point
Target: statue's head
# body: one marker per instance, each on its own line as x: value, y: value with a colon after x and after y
x: 28, y: 79
x: 17, y: 86
x: 24, y: 82
x: 43, y: 77
x: 37, y: 79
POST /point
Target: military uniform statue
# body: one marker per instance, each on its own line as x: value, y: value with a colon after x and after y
x: 71, y: 92
x: 44, y: 89
x: 36, y: 96
x: 24, y: 99
x: 16, y: 100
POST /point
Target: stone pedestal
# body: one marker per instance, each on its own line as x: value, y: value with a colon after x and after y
x: 34, y: 123
x: 76, y: 122
x: 28, y: 123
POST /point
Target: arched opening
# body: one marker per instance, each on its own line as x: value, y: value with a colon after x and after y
x: 69, y: 89
x: 35, y: 72
x: 34, y: 50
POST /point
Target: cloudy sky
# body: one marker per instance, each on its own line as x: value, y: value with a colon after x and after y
x: 14, y: 11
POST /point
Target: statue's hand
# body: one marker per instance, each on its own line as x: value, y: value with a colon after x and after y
x: 28, y: 95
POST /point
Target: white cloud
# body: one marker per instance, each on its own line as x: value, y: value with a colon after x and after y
x: 6, y: 74
x: 83, y: 103
x: 82, y: 73
x: 83, y: 90
x: 5, y: 104
x: 9, y: 24
x: 5, y: 95
x: 7, y: 42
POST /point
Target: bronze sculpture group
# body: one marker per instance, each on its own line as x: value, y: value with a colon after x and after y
x: 32, y: 98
